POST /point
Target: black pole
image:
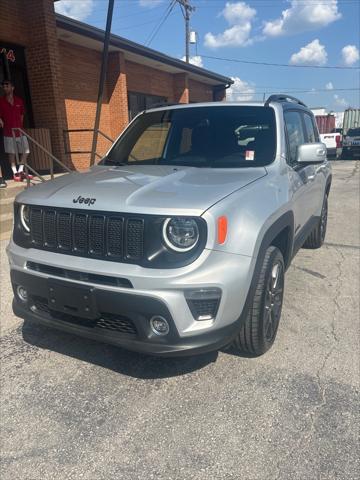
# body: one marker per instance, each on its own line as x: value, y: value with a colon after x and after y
x: 103, y: 70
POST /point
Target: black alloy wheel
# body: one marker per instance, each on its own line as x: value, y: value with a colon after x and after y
x: 273, y: 301
x: 258, y: 331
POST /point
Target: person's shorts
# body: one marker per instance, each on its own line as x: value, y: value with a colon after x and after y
x: 22, y: 145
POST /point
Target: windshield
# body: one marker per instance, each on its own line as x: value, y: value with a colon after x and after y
x: 354, y: 132
x: 217, y: 137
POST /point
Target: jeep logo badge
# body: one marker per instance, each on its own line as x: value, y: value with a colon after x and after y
x: 87, y: 201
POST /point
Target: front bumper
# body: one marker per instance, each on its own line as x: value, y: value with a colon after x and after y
x: 166, y: 297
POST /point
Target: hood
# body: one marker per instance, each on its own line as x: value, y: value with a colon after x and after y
x: 142, y: 189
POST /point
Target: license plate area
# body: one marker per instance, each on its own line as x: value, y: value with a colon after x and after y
x: 72, y: 299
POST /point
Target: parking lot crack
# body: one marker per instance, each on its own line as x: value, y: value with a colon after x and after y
x: 354, y: 171
x: 321, y: 386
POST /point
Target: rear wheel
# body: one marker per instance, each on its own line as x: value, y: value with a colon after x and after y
x: 317, y: 236
x: 259, y: 331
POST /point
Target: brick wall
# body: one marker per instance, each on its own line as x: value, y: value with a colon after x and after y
x: 13, y: 26
x: 117, y: 93
x: 80, y: 73
x: 200, y: 92
x: 143, y: 79
x: 44, y: 71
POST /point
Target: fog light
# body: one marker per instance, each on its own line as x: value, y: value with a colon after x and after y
x: 159, y: 325
x: 22, y: 293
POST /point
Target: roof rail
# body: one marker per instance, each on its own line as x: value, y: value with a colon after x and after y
x: 162, y: 104
x: 283, y: 97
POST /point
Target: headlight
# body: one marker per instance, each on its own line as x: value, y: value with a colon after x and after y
x: 25, y: 217
x: 181, y: 234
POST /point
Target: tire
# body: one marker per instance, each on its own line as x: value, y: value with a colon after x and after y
x: 258, y: 333
x: 317, y: 236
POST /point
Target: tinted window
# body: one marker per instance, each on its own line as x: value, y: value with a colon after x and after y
x: 218, y: 137
x: 311, y: 133
x: 295, y: 134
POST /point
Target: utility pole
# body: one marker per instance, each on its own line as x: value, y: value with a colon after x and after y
x: 186, y: 9
x: 104, y: 62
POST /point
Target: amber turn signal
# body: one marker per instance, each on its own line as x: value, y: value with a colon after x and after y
x: 222, y: 230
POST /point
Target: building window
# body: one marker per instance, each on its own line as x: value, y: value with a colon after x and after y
x: 140, y: 101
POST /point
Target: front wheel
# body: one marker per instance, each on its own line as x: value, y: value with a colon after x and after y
x: 259, y: 331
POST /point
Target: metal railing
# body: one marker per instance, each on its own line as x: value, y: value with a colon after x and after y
x: 27, y: 167
x: 82, y: 130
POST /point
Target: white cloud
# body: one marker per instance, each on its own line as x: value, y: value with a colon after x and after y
x: 303, y: 16
x: 149, y: 3
x: 340, y: 101
x: 350, y: 54
x: 312, y: 54
x: 195, y: 60
x: 239, y: 15
x: 329, y: 86
x: 77, y: 9
x: 240, y: 91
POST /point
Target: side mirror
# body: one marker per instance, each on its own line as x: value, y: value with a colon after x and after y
x: 311, y: 153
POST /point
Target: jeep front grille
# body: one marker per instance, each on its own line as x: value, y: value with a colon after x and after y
x: 108, y: 236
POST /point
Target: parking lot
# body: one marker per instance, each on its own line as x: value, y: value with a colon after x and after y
x: 73, y: 408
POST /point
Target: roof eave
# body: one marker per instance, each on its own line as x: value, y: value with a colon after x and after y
x: 81, y: 28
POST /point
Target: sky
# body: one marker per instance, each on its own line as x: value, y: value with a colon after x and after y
x: 303, y: 35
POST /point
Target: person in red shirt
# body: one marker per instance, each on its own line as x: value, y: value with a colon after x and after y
x: 12, y: 116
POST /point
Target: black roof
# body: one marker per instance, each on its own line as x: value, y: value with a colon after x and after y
x: 89, y: 31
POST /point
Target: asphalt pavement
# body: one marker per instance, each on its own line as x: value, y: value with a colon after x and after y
x: 76, y: 409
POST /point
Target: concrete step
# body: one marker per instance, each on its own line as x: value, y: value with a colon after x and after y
x: 7, y: 197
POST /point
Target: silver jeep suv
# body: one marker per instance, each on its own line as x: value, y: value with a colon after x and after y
x: 178, y: 241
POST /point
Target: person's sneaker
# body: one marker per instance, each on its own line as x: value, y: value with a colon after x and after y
x: 17, y: 177
x: 3, y: 184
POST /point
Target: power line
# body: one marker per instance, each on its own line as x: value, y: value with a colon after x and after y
x: 268, y: 64
x: 162, y: 21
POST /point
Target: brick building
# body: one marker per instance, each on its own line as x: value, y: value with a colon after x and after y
x: 55, y: 62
